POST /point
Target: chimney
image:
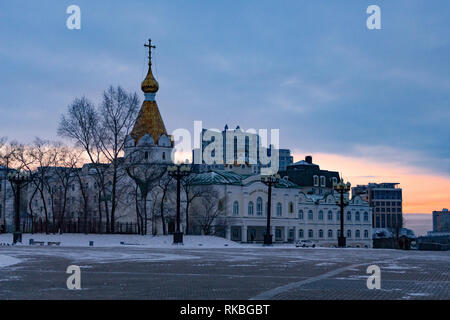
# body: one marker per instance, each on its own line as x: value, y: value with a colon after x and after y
x: 308, y: 159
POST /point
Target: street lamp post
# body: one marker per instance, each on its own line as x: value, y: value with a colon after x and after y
x: 178, y: 172
x: 269, y: 181
x: 18, y: 180
x: 342, y: 188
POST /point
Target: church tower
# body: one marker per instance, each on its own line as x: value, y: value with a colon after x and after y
x: 149, y: 141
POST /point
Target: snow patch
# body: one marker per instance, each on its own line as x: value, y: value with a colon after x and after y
x: 6, y: 261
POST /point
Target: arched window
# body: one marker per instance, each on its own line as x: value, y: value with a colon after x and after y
x: 279, y: 209
x: 349, y: 233
x: 349, y: 216
x: 366, y: 216
x: 164, y: 156
x: 300, y: 214
x: 330, y: 215
x: 310, y: 233
x: 146, y: 155
x: 320, y: 215
x: 357, y: 216
x: 366, y: 233
x: 330, y: 233
x: 250, y: 208
x: 291, y: 208
x: 310, y: 215
x: 300, y: 233
x: 320, y: 233
x: 338, y: 216
x: 357, y: 234
x: 259, y: 206
x: 236, y: 208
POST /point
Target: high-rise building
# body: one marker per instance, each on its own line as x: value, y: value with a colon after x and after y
x: 386, y: 201
x: 285, y: 159
x: 441, y: 221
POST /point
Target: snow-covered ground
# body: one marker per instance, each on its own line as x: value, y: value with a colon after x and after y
x: 6, y: 261
x: 115, y: 240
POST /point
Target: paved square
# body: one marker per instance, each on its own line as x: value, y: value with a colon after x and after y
x: 231, y: 273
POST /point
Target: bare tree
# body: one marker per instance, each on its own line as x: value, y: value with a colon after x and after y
x: 117, y: 114
x: 101, y: 132
x: 165, y: 187
x: 39, y: 159
x: 191, y: 192
x: 65, y: 173
x: 144, y: 175
x: 208, y: 212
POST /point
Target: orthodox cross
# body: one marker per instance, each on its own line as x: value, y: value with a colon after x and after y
x: 149, y: 46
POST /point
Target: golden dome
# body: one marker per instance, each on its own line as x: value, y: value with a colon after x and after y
x: 150, y: 85
x: 148, y: 121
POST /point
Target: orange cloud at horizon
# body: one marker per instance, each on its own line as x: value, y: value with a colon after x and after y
x: 423, y: 192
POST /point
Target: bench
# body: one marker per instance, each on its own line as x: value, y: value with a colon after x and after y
x: 50, y: 243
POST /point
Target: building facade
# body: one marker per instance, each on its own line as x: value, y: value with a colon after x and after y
x: 441, y: 221
x: 387, y: 203
x: 295, y: 215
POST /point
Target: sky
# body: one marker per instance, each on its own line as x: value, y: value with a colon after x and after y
x: 371, y: 104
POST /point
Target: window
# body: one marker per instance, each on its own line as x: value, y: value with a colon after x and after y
x: 330, y: 215
x: 366, y: 216
x: 338, y: 216
x: 310, y: 233
x: 330, y: 233
x: 259, y: 206
x: 349, y: 216
x: 316, y: 181
x: 322, y: 181
x: 277, y: 233
x: 300, y: 233
x: 357, y: 216
x: 334, y: 179
x: 291, y: 208
x: 320, y: 215
x: 236, y: 208
x: 357, y: 234
x: 300, y: 214
x: 146, y: 155
x: 320, y: 233
x: 250, y: 208
x: 164, y: 156
x: 366, y: 233
x: 310, y: 215
x: 279, y: 210
x: 349, y: 233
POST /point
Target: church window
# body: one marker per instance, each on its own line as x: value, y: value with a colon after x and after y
x: 236, y: 208
x: 279, y: 209
x: 330, y: 215
x: 250, y: 208
x: 259, y: 206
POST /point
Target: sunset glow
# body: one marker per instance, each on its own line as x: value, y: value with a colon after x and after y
x: 423, y: 192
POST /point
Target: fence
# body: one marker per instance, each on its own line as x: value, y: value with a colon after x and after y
x: 78, y: 226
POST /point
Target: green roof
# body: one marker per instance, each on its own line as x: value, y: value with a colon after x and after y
x: 230, y: 178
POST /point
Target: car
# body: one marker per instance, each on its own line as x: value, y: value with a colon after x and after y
x: 305, y: 244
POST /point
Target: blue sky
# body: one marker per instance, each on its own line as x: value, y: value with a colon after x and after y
x: 310, y: 68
